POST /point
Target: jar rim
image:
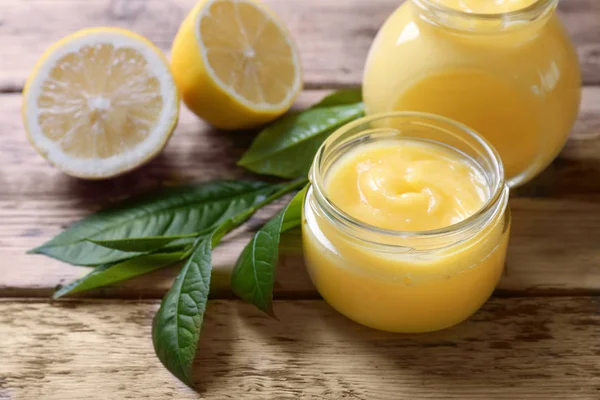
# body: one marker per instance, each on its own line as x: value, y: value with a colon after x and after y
x: 530, y: 13
x: 498, y: 191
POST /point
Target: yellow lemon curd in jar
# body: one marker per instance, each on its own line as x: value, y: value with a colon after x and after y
x: 514, y: 79
x: 486, y: 6
x: 407, y: 186
x: 412, y: 186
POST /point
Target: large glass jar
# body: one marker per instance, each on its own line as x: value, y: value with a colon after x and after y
x: 513, y: 76
x: 405, y: 281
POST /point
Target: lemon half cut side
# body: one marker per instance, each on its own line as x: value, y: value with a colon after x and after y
x: 100, y: 102
x: 235, y: 63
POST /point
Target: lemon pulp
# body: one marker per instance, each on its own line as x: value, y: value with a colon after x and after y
x: 100, y: 102
x: 251, y: 55
x: 235, y: 63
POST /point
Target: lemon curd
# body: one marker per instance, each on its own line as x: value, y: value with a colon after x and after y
x: 486, y: 6
x: 406, y: 224
x: 406, y: 185
x: 505, y: 68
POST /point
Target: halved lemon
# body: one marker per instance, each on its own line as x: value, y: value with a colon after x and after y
x: 235, y: 63
x: 100, y: 102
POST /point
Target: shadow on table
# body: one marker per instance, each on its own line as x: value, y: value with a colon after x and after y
x: 195, y: 153
x: 511, y: 347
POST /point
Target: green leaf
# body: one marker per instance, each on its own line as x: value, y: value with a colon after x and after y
x: 287, y: 147
x: 293, y: 211
x: 175, y: 211
x: 254, y: 274
x: 177, y: 324
x: 108, y: 274
x: 142, y: 245
x: 340, y: 98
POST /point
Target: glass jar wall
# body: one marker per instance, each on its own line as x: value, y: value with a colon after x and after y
x: 505, y: 68
x: 405, y: 281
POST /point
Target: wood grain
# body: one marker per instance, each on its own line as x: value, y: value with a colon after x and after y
x: 527, y: 348
x: 37, y: 201
x: 196, y: 152
x: 553, y: 250
x: 333, y: 35
x: 523, y: 347
x: 554, y: 243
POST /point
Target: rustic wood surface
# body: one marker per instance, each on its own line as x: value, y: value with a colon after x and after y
x: 521, y: 348
x: 554, y: 242
x: 333, y: 35
x: 539, y: 340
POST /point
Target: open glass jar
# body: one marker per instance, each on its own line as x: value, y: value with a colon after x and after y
x: 405, y: 281
x: 507, y: 70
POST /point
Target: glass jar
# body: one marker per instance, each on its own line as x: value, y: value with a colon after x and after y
x: 405, y: 281
x: 511, y: 76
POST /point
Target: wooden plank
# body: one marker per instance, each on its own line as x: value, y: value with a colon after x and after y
x: 195, y: 151
x: 37, y: 201
x: 553, y: 250
x: 37, y: 276
x: 526, y: 348
x: 333, y: 35
x: 553, y: 246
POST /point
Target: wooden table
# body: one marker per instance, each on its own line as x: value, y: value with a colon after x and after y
x: 539, y: 338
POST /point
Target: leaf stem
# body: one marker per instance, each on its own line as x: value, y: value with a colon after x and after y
x: 230, y: 224
x: 289, y: 187
x: 239, y: 219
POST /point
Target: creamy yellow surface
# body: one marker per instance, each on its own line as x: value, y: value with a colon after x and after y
x: 486, y: 6
x: 412, y: 186
x: 518, y: 86
x: 406, y: 185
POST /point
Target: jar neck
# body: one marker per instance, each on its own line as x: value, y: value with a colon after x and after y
x: 417, y: 126
x: 436, y: 13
